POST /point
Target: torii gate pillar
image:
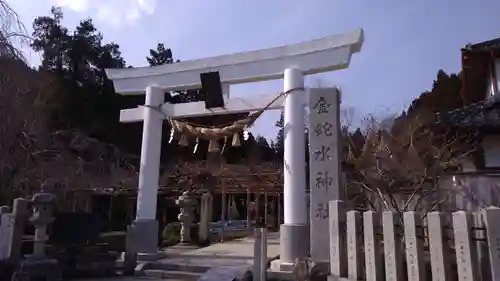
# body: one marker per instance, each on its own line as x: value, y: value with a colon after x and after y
x: 294, y: 233
x: 145, y: 222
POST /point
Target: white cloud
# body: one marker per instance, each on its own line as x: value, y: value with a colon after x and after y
x: 114, y: 12
x: 79, y: 6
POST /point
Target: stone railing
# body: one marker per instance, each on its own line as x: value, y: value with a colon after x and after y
x: 414, y: 246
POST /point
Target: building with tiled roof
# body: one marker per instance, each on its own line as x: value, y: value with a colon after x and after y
x: 481, y: 96
x: 480, y: 177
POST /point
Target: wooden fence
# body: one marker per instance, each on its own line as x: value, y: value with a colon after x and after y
x: 412, y: 246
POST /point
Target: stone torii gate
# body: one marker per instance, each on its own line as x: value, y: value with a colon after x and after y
x: 290, y: 62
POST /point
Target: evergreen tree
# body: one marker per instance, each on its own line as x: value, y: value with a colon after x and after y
x: 279, y: 145
x: 160, y: 56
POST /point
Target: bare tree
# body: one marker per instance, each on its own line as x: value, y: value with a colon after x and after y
x: 12, y: 30
x: 18, y: 106
x: 399, y: 170
x: 347, y: 117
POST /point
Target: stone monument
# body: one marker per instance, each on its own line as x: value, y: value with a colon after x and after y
x: 186, y: 202
x: 6, y: 224
x: 325, y: 166
x: 18, y: 218
x: 130, y: 256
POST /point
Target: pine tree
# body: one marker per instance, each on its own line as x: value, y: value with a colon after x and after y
x: 160, y: 56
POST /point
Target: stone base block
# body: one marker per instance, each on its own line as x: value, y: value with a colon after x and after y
x: 321, y: 267
x: 283, y: 271
x: 142, y: 257
x: 279, y: 265
x: 38, y: 269
x: 336, y: 278
x: 294, y: 242
x: 183, y: 247
x: 280, y: 275
x: 142, y: 237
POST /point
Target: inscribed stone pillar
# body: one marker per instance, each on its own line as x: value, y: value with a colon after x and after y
x: 325, y: 173
x: 6, y: 223
x: 20, y: 215
x: 130, y: 257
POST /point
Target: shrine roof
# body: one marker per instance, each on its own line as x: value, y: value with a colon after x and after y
x: 484, y: 46
x: 477, y: 61
x: 482, y: 115
x: 220, y: 170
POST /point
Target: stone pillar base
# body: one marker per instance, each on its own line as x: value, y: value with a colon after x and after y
x: 143, y: 236
x: 294, y: 243
x: 38, y: 269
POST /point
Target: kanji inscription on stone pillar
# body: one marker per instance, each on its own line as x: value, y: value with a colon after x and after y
x: 324, y: 164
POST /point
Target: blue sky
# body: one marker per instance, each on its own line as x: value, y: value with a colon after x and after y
x: 406, y: 42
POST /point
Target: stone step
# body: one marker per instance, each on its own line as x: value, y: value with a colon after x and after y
x: 194, y: 268
x: 279, y: 275
x: 172, y: 274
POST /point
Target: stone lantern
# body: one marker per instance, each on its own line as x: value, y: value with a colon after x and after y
x: 41, y: 218
x: 187, y: 202
x: 38, y: 266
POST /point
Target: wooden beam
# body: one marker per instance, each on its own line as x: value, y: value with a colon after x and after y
x: 315, y: 56
x: 183, y: 110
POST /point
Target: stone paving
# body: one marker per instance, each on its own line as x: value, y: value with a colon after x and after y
x: 233, y: 253
x: 240, y: 248
x: 122, y: 278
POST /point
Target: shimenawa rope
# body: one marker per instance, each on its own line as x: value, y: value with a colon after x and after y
x: 214, y: 133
